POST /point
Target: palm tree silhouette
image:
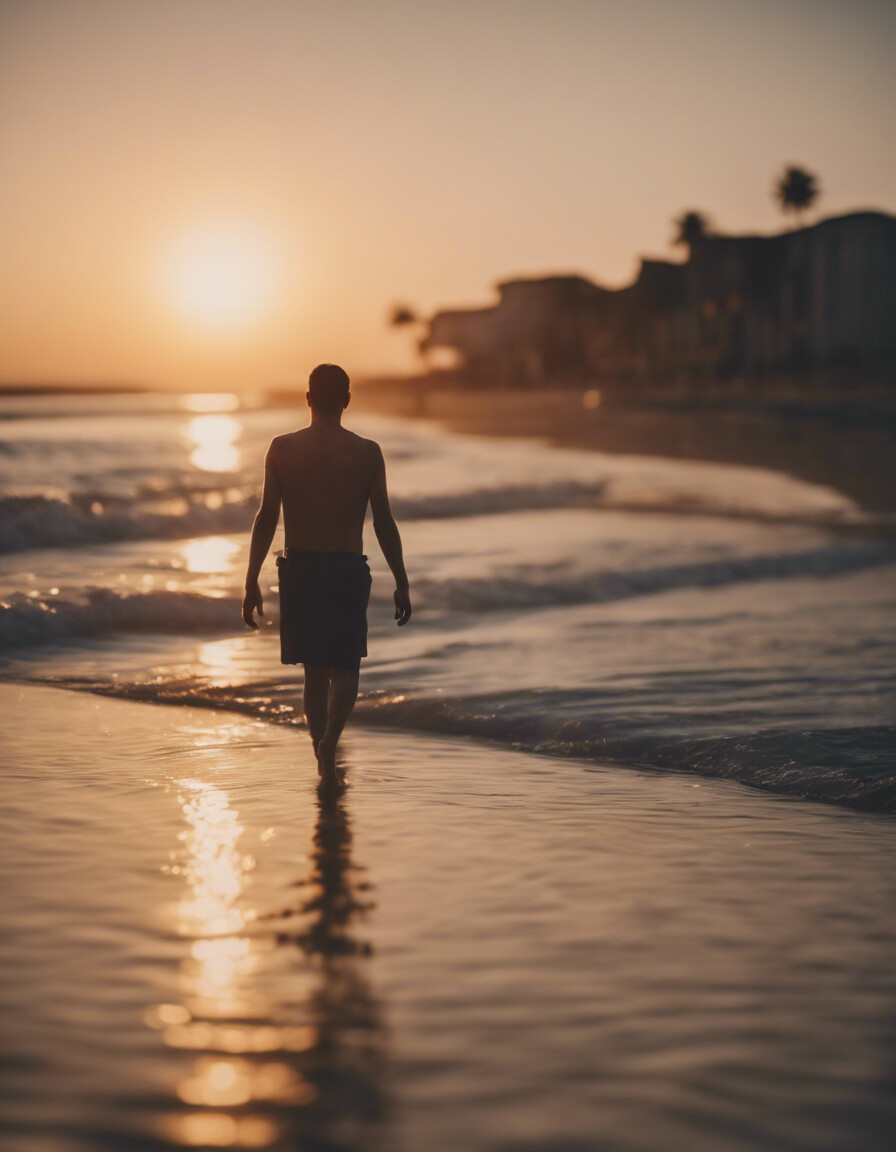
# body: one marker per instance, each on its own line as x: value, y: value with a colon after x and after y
x: 691, y: 229
x: 796, y: 190
x: 401, y: 315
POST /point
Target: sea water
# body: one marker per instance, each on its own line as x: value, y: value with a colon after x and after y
x: 659, y: 614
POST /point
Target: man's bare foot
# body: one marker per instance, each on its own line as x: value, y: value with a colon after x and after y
x: 330, y: 789
x: 330, y: 776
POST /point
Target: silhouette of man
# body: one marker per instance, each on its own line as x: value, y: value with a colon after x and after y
x: 324, y: 476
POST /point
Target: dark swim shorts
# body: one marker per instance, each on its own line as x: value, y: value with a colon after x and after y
x: 323, y: 608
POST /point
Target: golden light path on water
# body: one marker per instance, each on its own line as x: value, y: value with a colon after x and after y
x: 207, y: 555
x: 213, y: 437
x: 223, y: 660
x: 217, y: 1013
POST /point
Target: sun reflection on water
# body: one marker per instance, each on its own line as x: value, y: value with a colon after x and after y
x: 214, y: 869
x: 214, y: 440
x: 213, y: 913
x: 220, y: 965
x: 222, y: 660
x: 218, y: 1130
x: 209, y: 554
x: 280, y: 1030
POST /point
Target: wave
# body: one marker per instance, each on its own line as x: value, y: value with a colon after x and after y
x: 27, y: 622
x: 536, y: 588
x: 503, y: 498
x: 851, y: 766
x: 45, y: 521
x: 42, y: 521
x: 603, y: 495
x: 854, y: 766
x: 61, y: 520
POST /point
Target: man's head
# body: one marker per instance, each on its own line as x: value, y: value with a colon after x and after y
x: 328, y: 388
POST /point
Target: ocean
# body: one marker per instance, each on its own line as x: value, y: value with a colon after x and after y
x: 663, y: 615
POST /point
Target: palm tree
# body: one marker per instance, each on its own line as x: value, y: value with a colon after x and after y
x: 796, y: 190
x: 692, y: 228
x: 402, y: 315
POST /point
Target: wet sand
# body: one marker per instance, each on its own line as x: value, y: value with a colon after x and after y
x: 476, y: 949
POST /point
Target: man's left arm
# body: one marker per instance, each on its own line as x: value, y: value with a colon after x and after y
x: 262, y: 537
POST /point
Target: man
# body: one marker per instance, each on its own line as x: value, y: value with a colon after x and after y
x: 324, y: 477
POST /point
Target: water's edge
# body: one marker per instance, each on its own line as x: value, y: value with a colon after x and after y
x: 720, y: 758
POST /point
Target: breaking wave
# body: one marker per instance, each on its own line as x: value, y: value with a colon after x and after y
x: 174, y: 512
x: 533, y: 588
x: 27, y: 622
x: 855, y: 766
x: 55, y: 521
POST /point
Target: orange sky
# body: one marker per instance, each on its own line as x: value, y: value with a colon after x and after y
x: 221, y: 194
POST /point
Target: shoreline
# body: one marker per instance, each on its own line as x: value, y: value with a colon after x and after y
x: 838, y: 441
x: 412, y: 717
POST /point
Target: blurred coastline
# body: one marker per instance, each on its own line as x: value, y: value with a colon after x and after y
x: 774, y: 351
x: 838, y: 436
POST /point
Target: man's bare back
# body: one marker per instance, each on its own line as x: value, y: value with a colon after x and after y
x: 323, y: 477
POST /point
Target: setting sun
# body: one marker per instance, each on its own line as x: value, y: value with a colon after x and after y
x: 222, y: 276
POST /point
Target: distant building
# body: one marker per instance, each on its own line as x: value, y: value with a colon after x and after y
x: 539, y: 329
x: 823, y: 296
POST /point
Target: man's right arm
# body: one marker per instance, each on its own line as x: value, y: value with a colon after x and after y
x: 262, y: 536
x: 389, y: 539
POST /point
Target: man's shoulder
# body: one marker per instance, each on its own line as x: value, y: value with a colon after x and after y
x: 292, y: 441
x: 285, y: 450
x: 286, y: 440
x: 364, y: 444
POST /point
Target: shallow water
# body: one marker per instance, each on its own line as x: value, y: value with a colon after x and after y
x: 476, y: 948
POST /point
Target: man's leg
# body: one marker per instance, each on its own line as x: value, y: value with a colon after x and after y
x: 314, y: 701
x: 341, y: 700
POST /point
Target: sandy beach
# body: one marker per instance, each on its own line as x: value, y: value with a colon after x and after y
x: 477, y: 948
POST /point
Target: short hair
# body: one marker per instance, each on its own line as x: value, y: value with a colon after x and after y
x: 328, y: 387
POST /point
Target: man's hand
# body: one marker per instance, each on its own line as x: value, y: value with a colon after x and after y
x: 402, y: 606
x: 252, y: 601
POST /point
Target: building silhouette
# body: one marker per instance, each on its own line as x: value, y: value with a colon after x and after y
x: 821, y: 297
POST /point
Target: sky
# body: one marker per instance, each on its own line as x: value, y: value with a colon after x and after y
x: 221, y: 194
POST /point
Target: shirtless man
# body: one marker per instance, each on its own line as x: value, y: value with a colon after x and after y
x: 324, y: 476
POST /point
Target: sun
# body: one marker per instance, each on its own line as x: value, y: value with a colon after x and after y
x: 222, y: 276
